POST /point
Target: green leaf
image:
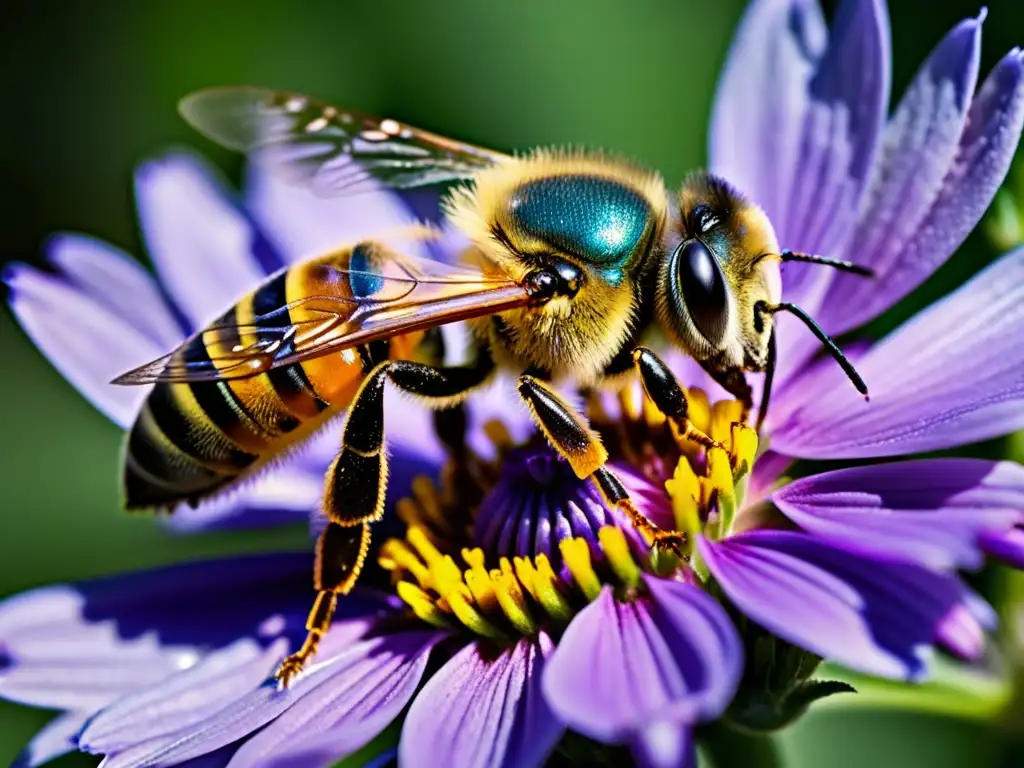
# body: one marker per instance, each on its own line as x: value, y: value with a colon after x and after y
x: 978, y: 692
x: 388, y: 739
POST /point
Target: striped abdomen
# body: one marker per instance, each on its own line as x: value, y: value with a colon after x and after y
x: 196, y: 438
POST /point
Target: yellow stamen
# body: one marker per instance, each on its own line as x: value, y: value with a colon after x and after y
x: 576, y: 554
x: 616, y: 548
x: 498, y: 434
x: 628, y: 403
x: 478, y: 580
x: 724, y: 414
x: 409, y: 512
x: 527, y: 576
x: 720, y: 489
x: 744, y: 449
x: 426, y: 495
x: 652, y: 416
x: 422, y: 605
x: 547, y: 590
x: 684, y: 489
x: 447, y: 576
x: 512, y: 600
x: 395, y: 555
x: 698, y: 409
x: 468, y: 615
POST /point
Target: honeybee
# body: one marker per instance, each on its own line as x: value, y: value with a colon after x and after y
x: 573, y: 257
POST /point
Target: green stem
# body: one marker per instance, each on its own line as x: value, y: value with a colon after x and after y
x: 731, y: 748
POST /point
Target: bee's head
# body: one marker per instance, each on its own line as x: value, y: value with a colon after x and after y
x: 714, y: 278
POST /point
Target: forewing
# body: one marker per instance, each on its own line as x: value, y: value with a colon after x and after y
x: 341, y: 308
x: 333, y: 150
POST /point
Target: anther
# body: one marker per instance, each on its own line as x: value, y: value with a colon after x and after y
x: 547, y: 590
x: 616, y: 549
x: 744, y: 449
x: 422, y: 605
x: 719, y: 489
x: 576, y: 555
x: 684, y: 489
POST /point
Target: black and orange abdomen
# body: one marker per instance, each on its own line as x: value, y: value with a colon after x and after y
x: 193, y: 439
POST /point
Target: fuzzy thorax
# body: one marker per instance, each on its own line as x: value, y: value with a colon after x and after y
x: 599, y: 214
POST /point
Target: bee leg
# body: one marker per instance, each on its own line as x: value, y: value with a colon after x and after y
x: 357, y: 483
x: 735, y: 383
x: 340, y: 553
x: 663, y: 390
x: 574, y: 439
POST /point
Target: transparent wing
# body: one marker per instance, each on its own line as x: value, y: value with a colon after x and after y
x: 340, y: 309
x: 333, y: 150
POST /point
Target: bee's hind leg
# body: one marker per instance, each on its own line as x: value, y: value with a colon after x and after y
x: 357, y: 482
x: 574, y: 439
x: 340, y: 553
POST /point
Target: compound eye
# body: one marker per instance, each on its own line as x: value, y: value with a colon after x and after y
x: 701, y: 285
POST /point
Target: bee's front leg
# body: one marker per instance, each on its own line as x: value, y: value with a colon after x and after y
x: 574, y: 439
x: 668, y: 397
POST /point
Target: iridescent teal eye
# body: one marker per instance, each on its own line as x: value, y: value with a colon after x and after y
x: 598, y: 220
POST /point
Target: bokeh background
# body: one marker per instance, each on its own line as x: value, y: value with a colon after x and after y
x: 89, y: 89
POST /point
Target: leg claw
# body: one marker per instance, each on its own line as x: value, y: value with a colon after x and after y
x: 289, y: 668
x: 671, y: 541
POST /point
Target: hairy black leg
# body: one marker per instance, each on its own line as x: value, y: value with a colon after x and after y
x: 357, y: 482
x: 340, y: 553
x: 664, y: 391
x: 574, y: 439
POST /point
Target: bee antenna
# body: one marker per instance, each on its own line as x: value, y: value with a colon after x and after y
x: 769, y: 377
x: 840, y: 264
x: 824, y: 338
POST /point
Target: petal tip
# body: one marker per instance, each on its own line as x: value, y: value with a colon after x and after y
x: 176, y: 158
x: 9, y: 276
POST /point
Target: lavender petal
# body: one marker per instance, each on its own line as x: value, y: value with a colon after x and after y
x: 69, y: 324
x: 983, y: 157
x: 664, y: 745
x: 919, y: 148
x: 674, y: 656
x: 482, y: 711
x: 56, y: 738
x: 201, y: 243
x: 347, y: 717
x: 849, y: 94
x: 936, y: 512
x: 302, y: 224
x: 762, y: 98
x: 916, y: 404
x: 961, y: 634
x: 355, y: 687
x: 1007, y: 546
x: 873, y: 613
x: 116, y: 281
x: 78, y: 647
x: 184, y: 699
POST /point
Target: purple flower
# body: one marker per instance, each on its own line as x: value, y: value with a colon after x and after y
x: 538, y: 609
x: 147, y: 686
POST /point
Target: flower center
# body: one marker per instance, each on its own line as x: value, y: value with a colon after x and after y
x: 684, y: 487
x: 530, y: 544
x: 537, y: 503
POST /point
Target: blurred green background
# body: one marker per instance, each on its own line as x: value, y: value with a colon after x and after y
x: 90, y: 88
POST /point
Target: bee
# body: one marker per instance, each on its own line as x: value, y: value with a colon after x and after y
x: 573, y: 258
